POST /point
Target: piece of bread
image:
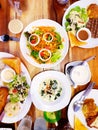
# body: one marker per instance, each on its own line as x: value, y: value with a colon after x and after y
x: 90, y: 111
x: 3, y: 97
x: 94, y: 123
x: 74, y: 41
x: 79, y: 125
x: 13, y: 62
x: 92, y: 11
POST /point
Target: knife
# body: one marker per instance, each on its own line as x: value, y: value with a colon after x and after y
x: 78, y: 103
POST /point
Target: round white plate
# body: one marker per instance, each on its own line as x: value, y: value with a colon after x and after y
x: 27, y: 102
x: 93, y: 42
x: 44, y: 22
x: 93, y: 94
x: 58, y: 104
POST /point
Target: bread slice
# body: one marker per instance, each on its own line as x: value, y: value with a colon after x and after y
x: 13, y: 62
x: 94, y: 123
x: 79, y: 125
x: 3, y: 97
x: 74, y: 41
x: 90, y: 111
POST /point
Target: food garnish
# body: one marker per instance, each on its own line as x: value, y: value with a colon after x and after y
x: 50, y: 89
x: 49, y: 39
x: 45, y: 54
x: 74, y: 41
x: 76, y: 18
x: 34, y: 39
x: 78, y: 124
x: 12, y: 109
x: 18, y: 89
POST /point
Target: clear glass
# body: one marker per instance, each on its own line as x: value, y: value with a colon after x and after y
x: 25, y: 124
x: 62, y: 1
x: 40, y: 124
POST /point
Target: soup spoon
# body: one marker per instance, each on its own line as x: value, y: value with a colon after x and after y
x: 81, y: 63
x: 78, y: 103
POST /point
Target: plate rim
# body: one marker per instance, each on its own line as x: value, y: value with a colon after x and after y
x: 71, y: 111
x: 47, y: 22
x: 18, y: 117
x: 49, y: 107
x: 79, y: 3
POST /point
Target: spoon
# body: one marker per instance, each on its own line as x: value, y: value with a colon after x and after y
x: 78, y: 103
x: 81, y: 63
x: 5, y: 38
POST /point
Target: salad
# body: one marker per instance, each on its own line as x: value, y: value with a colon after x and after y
x: 76, y: 19
x: 49, y: 39
x: 18, y: 89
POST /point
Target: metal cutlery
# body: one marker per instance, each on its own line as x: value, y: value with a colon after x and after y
x: 5, y: 38
x: 78, y: 103
x: 81, y: 63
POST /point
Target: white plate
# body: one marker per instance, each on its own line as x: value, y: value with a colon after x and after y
x: 27, y: 102
x: 58, y: 104
x: 93, y: 42
x: 93, y: 94
x: 44, y: 22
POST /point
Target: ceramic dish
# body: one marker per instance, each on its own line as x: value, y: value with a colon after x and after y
x: 93, y: 94
x: 47, y: 38
x: 76, y: 63
x: 26, y: 104
x: 93, y: 42
x: 50, y: 105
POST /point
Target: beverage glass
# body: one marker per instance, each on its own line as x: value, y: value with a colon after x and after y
x: 25, y: 124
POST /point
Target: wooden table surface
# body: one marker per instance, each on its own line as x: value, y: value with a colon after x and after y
x: 39, y: 9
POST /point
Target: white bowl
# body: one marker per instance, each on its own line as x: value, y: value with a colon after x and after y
x: 83, y: 34
x: 7, y: 75
x: 80, y: 74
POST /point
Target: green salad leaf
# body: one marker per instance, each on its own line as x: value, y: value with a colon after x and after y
x: 55, y: 56
x: 76, y: 18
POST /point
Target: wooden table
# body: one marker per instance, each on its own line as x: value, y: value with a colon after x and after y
x: 38, y: 9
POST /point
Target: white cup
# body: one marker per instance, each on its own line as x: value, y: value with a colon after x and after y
x: 83, y: 34
x: 80, y: 74
x: 15, y: 26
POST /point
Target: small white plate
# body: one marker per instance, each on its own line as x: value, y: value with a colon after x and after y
x: 58, y: 104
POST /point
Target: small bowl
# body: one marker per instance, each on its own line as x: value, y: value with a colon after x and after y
x: 83, y: 34
x: 34, y: 39
x: 7, y: 75
x: 44, y: 54
x: 48, y: 37
x: 80, y: 74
